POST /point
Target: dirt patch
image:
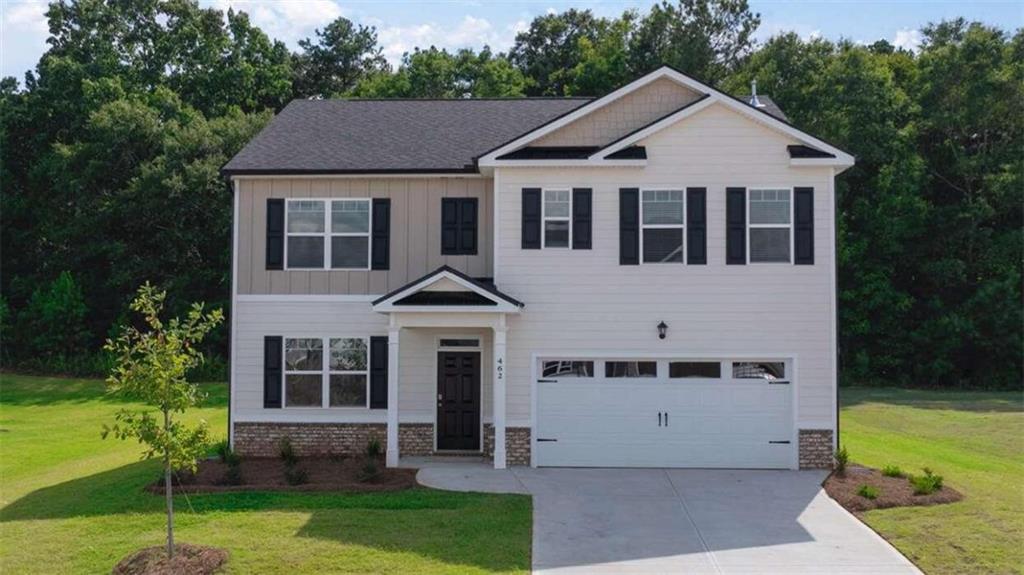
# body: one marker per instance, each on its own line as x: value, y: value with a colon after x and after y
x: 188, y: 560
x: 268, y: 474
x: 892, y: 491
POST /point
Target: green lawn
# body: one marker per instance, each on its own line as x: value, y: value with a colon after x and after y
x: 974, y: 440
x: 71, y: 502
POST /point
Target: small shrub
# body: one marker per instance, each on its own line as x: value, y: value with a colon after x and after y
x: 232, y: 476
x: 222, y: 448
x: 927, y: 483
x: 893, y: 471
x: 373, y: 449
x: 868, y: 492
x: 233, y: 459
x: 369, y: 472
x: 842, y: 458
x: 286, y: 451
x: 295, y: 475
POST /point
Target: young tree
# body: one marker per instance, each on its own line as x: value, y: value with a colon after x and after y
x: 152, y: 367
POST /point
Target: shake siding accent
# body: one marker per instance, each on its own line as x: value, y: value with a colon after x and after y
x: 417, y: 357
x: 415, y: 233
x: 592, y: 304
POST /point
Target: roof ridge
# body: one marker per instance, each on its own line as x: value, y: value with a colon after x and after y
x: 495, y: 99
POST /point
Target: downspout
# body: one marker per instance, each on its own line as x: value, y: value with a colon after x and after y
x: 233, y: 184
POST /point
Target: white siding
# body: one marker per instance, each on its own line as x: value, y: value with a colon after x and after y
x: 584, y: 301
x: 417, y: 359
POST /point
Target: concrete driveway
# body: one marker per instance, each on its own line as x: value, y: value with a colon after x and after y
x: 634, y: 521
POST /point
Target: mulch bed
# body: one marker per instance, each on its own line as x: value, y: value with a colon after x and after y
x: 188, y: 560
x: 268, y: 474
x: 892, y: 491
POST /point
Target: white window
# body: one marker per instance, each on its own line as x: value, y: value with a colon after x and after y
x: 661, y: 222
x: 334, y: 233
x: 770, y: 215
x: 341, y: 381
x: 557, y: 221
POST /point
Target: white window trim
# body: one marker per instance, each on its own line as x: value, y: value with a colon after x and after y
x: 325, y: 372
x: 681, y: 227
x: 750, y: 226
x: 327, y: 234
x: 544, y: 218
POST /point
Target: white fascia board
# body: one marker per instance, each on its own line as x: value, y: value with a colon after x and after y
x: 367, y: 176
x: 818, y: 162
x: 588, y: 163
x: 388, y: 304
x: 576, y: 114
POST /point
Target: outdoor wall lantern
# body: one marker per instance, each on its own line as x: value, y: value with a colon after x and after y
x: 662, y: 330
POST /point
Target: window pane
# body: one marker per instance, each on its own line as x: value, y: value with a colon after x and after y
x: 305, y: 252
x: 563, y: 368
x: 350, y: 217
x: 303, y: 391
x: 663, y: 245
x: 663, y: 207
x: 348, y: 390
x: 348, y: 354
x: 630, y: 369
x: 556, y: 234
x: 769, y: 207
x: 350, y: 252
x: 303, y: 354
x: 711, y: 369
x: 556, y: 204
x: 460, y: 343
x: 769, y: 244
x: 758, y: 370
x: 305, y: 216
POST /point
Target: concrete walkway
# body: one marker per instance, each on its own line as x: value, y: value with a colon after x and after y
x: 633, y: 521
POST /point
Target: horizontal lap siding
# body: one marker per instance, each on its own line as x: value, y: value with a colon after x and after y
x: 415, y: 233
x: 417, y: 356
x: 586, y: 302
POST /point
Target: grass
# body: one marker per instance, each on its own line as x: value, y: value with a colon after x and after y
x: 71, y: 502
x: 976, y: 442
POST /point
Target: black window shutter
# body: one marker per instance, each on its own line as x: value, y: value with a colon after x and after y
x: 696, y: 226
x: 449, y: 226
x: 582, y: 216
x: 380, y: 258
x: 378, y: 372
x: 736, y: 226
x: 272, y: 366
x: 275, y: 234
x: 458, y: 226
x: 803, y: 225
x: 531, y: 219
x: 629, y: 226
x: 467, y: 226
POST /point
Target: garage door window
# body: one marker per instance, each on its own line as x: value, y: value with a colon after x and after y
x: 705, y: 369
x: 630, y: 369
x: 770, y: 370
x: 567, y: 368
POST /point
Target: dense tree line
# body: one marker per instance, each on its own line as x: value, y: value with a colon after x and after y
x: 110, y: 152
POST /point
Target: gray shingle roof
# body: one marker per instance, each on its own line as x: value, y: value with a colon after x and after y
x: 397, y: 135
x: 340, y: 136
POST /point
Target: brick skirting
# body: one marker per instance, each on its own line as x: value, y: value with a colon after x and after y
x: 816, y: 449
x: 257, y: 439
x: 517, y: 444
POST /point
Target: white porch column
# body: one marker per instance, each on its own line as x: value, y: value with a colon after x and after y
x: 392, y: 451
x: 500, y: 332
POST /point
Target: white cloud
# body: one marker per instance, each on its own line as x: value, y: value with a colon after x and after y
x: 470, y: 32
x: 288, y: 20
x: 23, y: 33
x: 907, y: 39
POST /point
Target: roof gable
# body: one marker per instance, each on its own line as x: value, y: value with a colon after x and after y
x: 447, y: 289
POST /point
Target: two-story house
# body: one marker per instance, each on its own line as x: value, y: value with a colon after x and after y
x: 645, y: 279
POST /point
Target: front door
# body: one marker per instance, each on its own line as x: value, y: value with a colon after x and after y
x: 458, y: 400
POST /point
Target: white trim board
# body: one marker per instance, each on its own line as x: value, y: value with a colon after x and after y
x: 501, y: 306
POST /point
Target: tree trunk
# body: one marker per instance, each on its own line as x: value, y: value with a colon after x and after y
x: 167, y: 493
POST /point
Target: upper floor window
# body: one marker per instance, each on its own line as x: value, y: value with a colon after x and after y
x: 458, y: 226
x: 771, y: 227
x: 557, y: 210
x: 334, y: 231
x: 661, y: 222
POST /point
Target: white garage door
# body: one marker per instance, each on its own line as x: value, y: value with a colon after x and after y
x: 726, y: 414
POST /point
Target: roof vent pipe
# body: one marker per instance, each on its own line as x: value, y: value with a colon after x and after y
x: 753, y: 95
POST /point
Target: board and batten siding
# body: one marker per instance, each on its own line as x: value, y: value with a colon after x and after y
x: 417, y: 359
x: 583, y: 301
x: 415, y: 233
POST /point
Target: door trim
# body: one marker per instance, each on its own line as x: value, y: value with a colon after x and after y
x: 480, y: 393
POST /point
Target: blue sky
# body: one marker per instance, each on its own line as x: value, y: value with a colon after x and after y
x: 403, y: 25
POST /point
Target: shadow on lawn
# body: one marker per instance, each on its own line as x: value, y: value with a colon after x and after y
x: 980, y: 401
x: 28, y: 390
x: 447, y: 526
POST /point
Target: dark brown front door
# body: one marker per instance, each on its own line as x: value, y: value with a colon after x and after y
x: 458, y: 400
